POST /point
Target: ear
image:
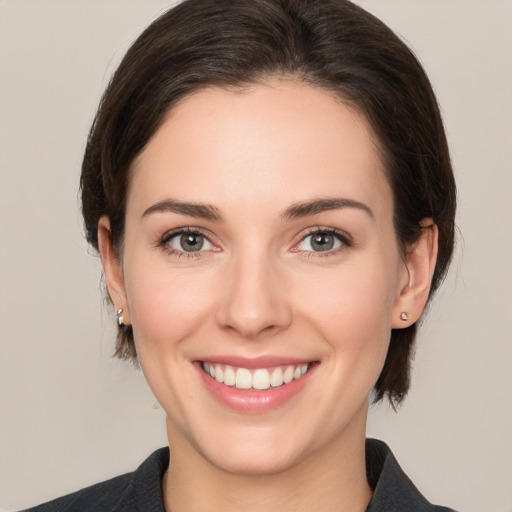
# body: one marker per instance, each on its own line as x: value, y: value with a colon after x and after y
x: 420, y: 263
x: 112, y: 267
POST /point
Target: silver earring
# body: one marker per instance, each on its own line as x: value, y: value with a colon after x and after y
x: 120, y: 319
x: 404, y: 317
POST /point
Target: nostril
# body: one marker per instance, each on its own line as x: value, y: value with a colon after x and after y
x: 253, y: 304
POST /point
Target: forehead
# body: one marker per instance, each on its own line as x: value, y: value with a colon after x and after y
x: 266, y: 144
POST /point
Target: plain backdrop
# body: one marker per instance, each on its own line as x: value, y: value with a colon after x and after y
x: 70, y: 415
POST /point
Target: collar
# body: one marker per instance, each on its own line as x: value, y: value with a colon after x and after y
x: 393, y: 490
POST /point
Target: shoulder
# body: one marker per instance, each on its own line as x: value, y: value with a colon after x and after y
x: 393, y: 490
x: 101, y: 497
x: 132, y: 492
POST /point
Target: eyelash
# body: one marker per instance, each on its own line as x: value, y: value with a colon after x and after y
x: 167, y: 237
x: 341, y: 237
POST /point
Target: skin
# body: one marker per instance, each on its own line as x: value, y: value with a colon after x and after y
x: 258, y: 287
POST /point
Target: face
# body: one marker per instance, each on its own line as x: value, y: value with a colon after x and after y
x: 261, y: 274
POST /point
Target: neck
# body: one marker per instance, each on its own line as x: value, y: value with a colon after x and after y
x: 331, y: 480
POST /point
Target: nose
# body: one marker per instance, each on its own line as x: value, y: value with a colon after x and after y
x: 255, y: 303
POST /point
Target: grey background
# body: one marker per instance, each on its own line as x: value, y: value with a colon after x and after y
x: 71, y: 416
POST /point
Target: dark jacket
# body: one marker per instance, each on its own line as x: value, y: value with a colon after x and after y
x: 141, y: 491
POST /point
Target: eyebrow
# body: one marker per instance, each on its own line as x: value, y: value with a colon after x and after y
x: 315, y: 206
x: 202, y: 211
x: 295, y: 211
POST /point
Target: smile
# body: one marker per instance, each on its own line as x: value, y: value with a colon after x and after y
x: 254, y: 379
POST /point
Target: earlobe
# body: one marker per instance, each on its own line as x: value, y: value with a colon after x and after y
x: 112, y: 268
x: 420, y: 264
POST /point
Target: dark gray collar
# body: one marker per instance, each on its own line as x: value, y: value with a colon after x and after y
x: 393, y: 490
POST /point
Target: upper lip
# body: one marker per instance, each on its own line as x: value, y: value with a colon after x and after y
x: 268, y: 361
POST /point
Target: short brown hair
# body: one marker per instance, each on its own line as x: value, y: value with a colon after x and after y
x: 332, y: 44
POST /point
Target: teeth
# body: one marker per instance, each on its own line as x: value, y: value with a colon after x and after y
x: 229, y: 376
x: 288, y: 374
x: 219, y: 373
x: 259, y: 379
x: 243, y: 379
x: 276, y: 378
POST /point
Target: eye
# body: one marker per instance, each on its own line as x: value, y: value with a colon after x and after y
x: 323, y: 240
x: 187, y: 241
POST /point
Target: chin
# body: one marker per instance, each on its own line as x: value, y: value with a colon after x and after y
x: 255, y: 461
x: 243, y: 449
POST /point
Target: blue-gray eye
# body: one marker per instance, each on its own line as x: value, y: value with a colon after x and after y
x: 189, y: 242
x: 320, y: 241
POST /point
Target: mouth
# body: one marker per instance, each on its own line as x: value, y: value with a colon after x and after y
x: 255, y: 385
x: 255, y: 379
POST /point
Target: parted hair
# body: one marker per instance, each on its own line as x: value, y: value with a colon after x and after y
x: 331, y: 44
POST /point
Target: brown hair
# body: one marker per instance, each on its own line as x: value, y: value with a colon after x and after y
x: 332, y: 44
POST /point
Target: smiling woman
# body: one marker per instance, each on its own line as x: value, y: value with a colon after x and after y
x: 269, y: 187
x: 285, y: 280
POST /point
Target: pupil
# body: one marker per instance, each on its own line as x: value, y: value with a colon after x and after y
x: 322, y: 242
x: 191, y: 242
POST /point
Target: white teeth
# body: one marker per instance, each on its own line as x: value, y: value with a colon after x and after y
x: 276, y: 378
x: 288, y: 375
x: 259, y: 379
x: 229, y: 376
x: 219, y: 373
x: 243, y: 379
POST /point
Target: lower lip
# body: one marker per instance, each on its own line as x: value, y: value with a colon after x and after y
x: 254, y: 402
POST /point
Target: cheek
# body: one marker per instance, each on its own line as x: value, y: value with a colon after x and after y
x: 165, y: 306
x: 352, y: 307
x: 166, y: 309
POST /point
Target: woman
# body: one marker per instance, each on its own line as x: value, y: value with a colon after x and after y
x: 269, y: 187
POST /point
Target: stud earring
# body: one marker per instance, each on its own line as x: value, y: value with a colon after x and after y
x: 404, y: 317
x: 120, y: 319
